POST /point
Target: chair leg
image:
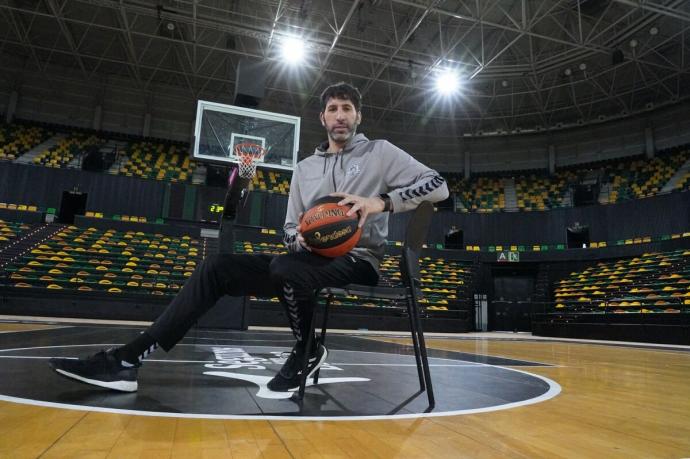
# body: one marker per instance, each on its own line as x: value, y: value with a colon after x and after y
x: 305, y: 359
x: 422, y: 347
x: 323, y: 330
x: 415, y: 343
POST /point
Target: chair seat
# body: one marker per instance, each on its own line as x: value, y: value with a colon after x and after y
x: 378, y: 291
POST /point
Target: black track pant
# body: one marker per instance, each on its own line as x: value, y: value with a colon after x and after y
x: 294, y: 278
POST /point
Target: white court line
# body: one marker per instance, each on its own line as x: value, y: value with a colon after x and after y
x: 72, y: 320
x: 553, y: 391
x: 536, y: 364
x: 257, y: 363
x: 64, y: 345
x: 189, y: 338
x: 35, y: 329
x: 465, y: 336
x: 526, y: 338
x: 469, y: 364
x: 106, y: 345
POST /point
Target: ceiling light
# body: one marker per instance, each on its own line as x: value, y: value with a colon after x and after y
x: 653, y: 31
x: 293, y: 50
x: 447, y: 82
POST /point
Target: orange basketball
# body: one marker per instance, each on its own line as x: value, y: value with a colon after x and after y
x: 328, y: 230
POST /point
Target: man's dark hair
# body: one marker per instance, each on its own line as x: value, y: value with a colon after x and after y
x: 341, y: 90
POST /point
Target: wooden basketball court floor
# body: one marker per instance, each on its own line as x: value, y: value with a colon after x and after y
x: 615, y: 400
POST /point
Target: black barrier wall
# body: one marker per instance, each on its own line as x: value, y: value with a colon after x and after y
x: 110, y: 194
x: 655, y: 216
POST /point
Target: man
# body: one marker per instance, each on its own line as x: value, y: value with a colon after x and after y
x: 374, y: 176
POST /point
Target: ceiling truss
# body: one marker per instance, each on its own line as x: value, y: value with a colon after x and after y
x: 525, y: 64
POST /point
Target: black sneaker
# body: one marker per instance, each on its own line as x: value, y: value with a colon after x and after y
x: 289, y: 376
x: 102, y: 369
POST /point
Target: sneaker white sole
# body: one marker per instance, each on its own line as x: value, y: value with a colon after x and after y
x: 320, y: 362
x: 123, y: 386
x: 311, y: 373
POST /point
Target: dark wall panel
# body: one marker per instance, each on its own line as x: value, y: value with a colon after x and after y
x: 131, y: 196
x: 109, y: 194
x: 177, y: 197
x: 643, y: 217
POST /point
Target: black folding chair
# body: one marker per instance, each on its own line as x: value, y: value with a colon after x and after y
x: 415, y: 234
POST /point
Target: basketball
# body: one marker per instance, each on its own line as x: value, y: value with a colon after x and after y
x: 328, y: 230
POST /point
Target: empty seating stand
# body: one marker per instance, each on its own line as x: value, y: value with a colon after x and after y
x: 158, y: 161
x: 25, y: 207
x: 165, y: 160
x: 87, y: 259
x: 10, y: 231
x: 16, y: 139
x: 652, y: 282
x: 639, y: 178
x: 67, y: 149
x: 273, y: 181
x: 540, y: 193
x: 626, y: 179
x: 481, y: 194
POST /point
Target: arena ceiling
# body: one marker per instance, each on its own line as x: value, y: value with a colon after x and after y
x: 526, y: 65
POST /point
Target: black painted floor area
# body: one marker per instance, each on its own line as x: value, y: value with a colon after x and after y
x: 224, y: 374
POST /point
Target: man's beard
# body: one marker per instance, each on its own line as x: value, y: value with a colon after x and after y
x: 342, y: 136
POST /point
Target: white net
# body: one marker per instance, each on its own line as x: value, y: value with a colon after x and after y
x: 248, y: 154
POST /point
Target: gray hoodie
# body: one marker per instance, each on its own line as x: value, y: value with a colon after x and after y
x: 364, y: 168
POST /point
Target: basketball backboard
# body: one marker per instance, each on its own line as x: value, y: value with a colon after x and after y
x: 219, y: 128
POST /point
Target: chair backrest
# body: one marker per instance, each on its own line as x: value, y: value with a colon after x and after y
x: 415, y: 234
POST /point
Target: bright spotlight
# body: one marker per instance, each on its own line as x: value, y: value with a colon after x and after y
x: 447, y: 82
x: 293, y: 50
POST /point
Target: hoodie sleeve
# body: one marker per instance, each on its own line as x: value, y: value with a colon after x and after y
x: 410, y: 182
x: 294, y: 208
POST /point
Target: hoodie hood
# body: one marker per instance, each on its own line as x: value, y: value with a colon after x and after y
x: 322, y: 148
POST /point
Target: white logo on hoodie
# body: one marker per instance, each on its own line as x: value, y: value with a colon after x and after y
x: 353, y: 171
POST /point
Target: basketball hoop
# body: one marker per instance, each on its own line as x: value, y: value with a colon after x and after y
x: 248, y: 155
